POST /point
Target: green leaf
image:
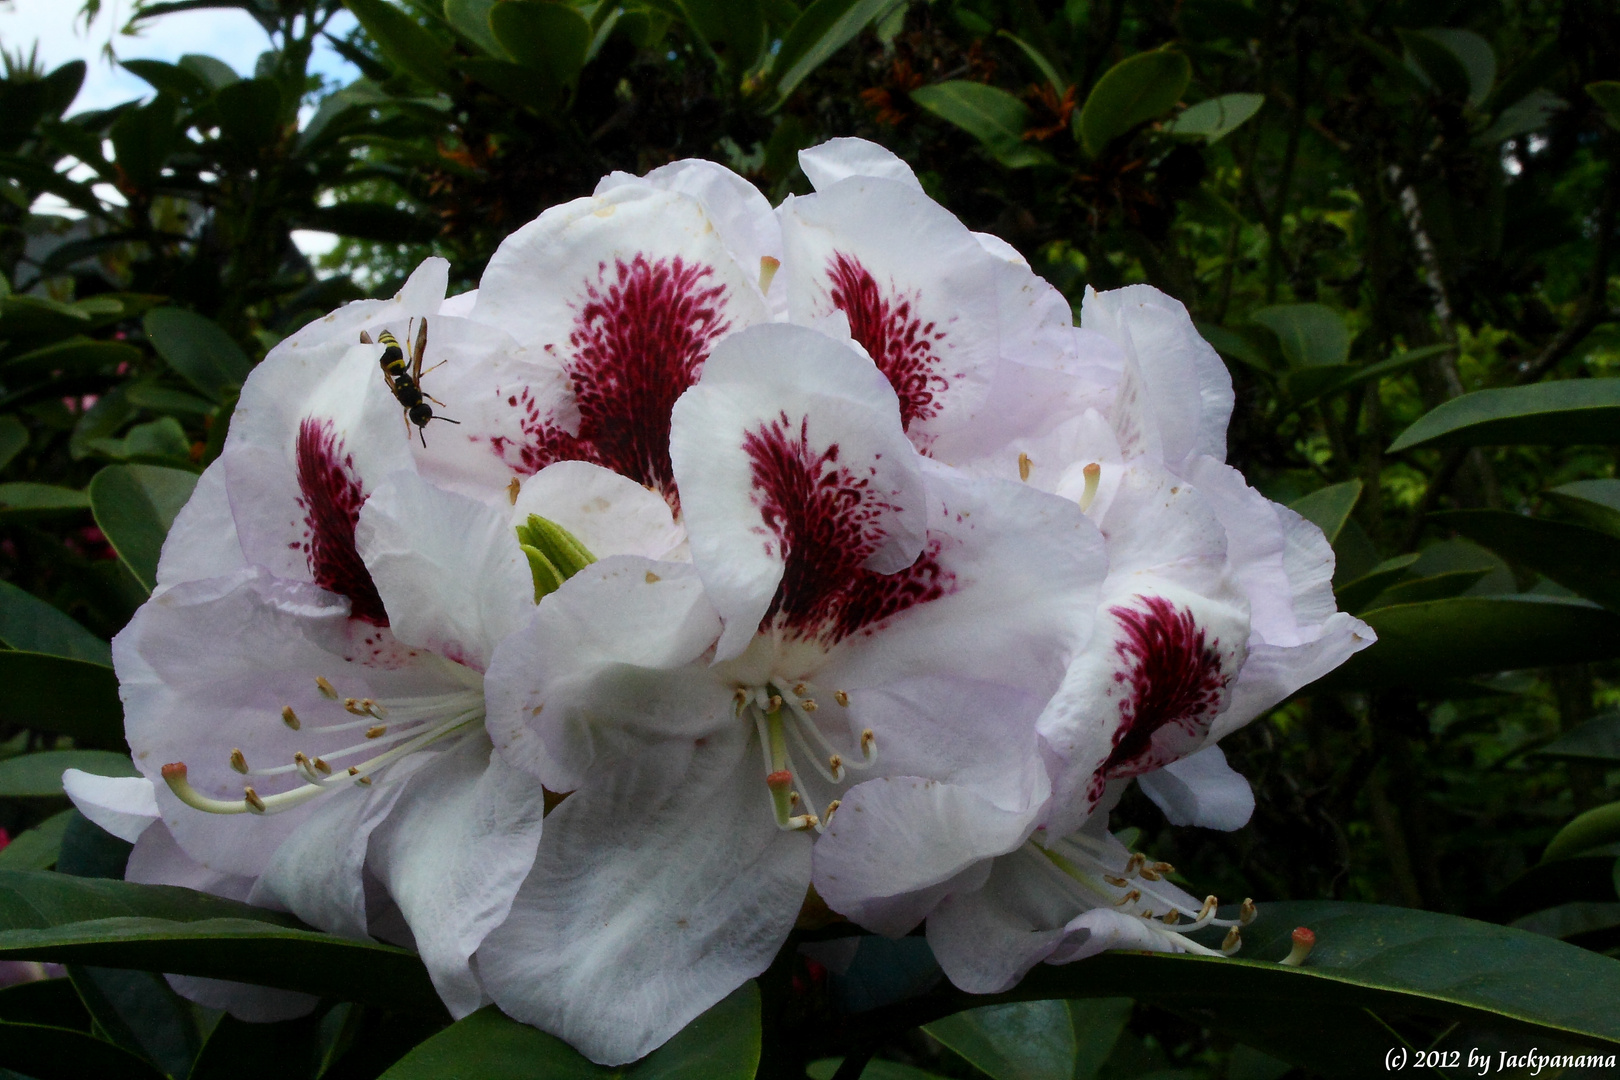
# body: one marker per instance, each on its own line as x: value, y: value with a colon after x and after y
x: 56, y: 694
x: 876, y: 1069
x: 166, y: 78
x: 1329, y: 508
x: 1565, y: 413
x: 1475, y: 55
x: 1342, y: 377
x: 1595, y: 502
x: 1596, y: 739
x: 988, y: 113
x: 52, y: 1002
x: 1057, y: 82
x: 1431, y: 587
x: 734, y: 30
x: 159, y: 441
x: 1356, y: 594
x: 1030, y: 1040
x: 216, y: 73
x: 471, y: 20
x: 239, y: 1050
x: 1607, y: 94
x: 1533, y: 112
x: 13, y: 439
x: 147, y: 395
x: 51, y: 1053
x: 1568, y: 920
x: 36, y: 849
x: 134, y: 506
x: 1580, y: 559
x: 722, y: 1044
x: 1097, y: 1024
x: 1592, y: 829
x: 138, y: 1011
x: 406, y: 44
x: 47, y: 916
x: 78, y: 354
x: 1477, y: 635
x: 29, y: 623
x: 40, y: 774
x: 1311, y: 335
x: 1440, y: 67
x: 550, y: 38
x: 1215, y: 119
x: 1133, y: 91
x: 250, y: 115
x: 1389, y: 960
x: 23, y: 498
x: 514, y: 82
x: 198, y: 349
x: 825, y: 27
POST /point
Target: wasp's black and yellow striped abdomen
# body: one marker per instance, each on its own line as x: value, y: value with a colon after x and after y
x: 405, y: 381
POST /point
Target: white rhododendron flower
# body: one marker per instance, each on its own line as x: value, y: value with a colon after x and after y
x: 303, y: 693
x: 853, y: 615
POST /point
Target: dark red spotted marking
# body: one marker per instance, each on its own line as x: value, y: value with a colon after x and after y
x: 825, y: 521
x: 1174, y: 676
x: 639, y: 341
x: 899, y: 342
x: 331, y: 498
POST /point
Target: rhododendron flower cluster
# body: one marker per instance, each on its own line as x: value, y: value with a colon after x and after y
x: 807, y: 554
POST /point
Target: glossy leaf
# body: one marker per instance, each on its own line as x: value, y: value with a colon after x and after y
x: 51, y: 1053
x: 1477, y: 635
x: 1133, y: 91
x: 1475, y: 55
x: 250, y: 115
x: 62, y: 696
x: 1310, y: 383
x: 1431, y: 587
x: 1311, y: 335
x: 471, y: 20
x: 550, y: 38
x: 1215, y: 119
x: 1031, y: 1040
x: 408, y: 46
x: 1595, y: 502
x: 216, y: 73
x: 1596, y: 827
x: 159, y: 441
x: 1053, y: 79
x: 825, y: 27
x: 36, y: 848
x: 40, y: 499
x: 134, y: 506
x: 1358, y: 593
x: 991, y: 115
x: 138, y: 1011
x: 1329, y: 508
x: 182, y: 83
x: 876, y: 1069
x: 1597, y: 739
x: 239, y: 1050
x: 1565, y: 413
x: 198, y: 349
x: 733, y: 29
x: 13, y: 439
x: 722, y: 1044
x: 1367, y: 957
x: 146, y: 395
x: 1440, y: 66
x: 46, y: 916
x: 1097, y: 1024
x: 1583, y: 560
x: 40, y: 774
x: 78, y: 354
x: 30, y: 624
x: 52, y: 1002
x: 385, y: 222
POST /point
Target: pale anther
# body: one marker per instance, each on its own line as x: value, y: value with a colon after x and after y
x: 832, y: 808
x: 775, y: 704
x: 1092, y: 473
x: 239, y: 761
x: 1233, y: 942
x: 251, y: 797
x: 1135, y: 863
x: 1117, y: 882
x: 1129, y: 898
x: 1023, y: 466
x: 801, y: 689
x: 322, y: 766
x: 376, y: 732
x: 652, y: 578
x: 289, y: 717
x: 1210, y: 904
x: 808, y: 704
x: 1172, y: 917
x: 327, y: 690
x: 841, y: 697
x: 1247, y: 912
x: 512, y: 488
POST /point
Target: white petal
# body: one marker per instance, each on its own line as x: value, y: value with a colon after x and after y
x: 608, y: 513
x: 255, y: 1004
x: 1272, y: 673
x: 1201, y: 790
x: 986, y: 939
x: 123, y: 805
x: 614, y: 646
x: 741, y: 215
x: 202, y: 541
x: 459, y: 306
x: 1183, y: 392
x: 788, y: 432
x: 837, y: 159
x: 661, y: 885
x: 448, y: 569
x: 1101, y: 929
x: 452, y: 854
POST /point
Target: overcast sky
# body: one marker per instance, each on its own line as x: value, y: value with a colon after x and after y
x: 228, y: 35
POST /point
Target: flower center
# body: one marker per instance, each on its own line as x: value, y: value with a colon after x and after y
x: 388, y: 730
x: 331, y: 496
x: 1103, y: 875
x: 782, y: 718
x: 899, y: 342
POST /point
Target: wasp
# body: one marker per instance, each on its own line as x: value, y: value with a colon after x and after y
x: 405, y: 381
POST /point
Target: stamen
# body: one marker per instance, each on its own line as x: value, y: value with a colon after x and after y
x: 1134, y: 864
x: 253, y: 801
x: 869, y: 747
x: 174, y: 775
x: 377, y: 732
x: 1210, y: 904
x: 1172, y: 917
x: 841, y: 697
x: 239, y: 761
x: 1304, y: 942
x: 832, y: 808
x: 1117, y: 882
x: 652, y: 578
x: 808, y: 705
x: 1092, y: 473
x: 1129, y: 898
x: 801, y: 689
x: 1247, y: 912
x: 321, y: 765
x: 767, y: 272
x: 775, y: 704
x: 290, y: 718
x: 836, y: 764
x: 1233, y: 942
x: 512, y: 488
x: 327, y: 690
x: 1023, y: 465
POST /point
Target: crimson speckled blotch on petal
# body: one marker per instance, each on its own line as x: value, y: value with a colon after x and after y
x: 857, y: 623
